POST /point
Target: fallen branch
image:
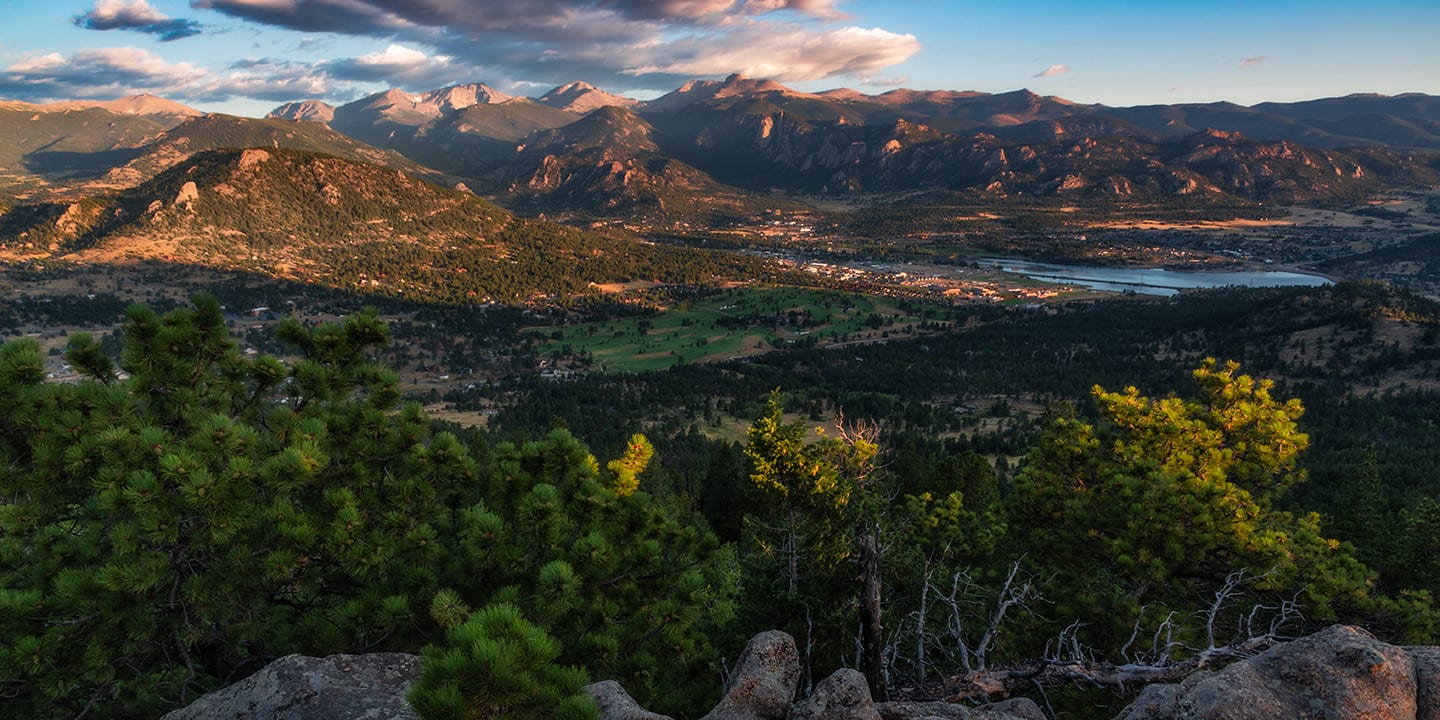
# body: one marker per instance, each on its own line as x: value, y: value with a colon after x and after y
x: 1002, y: 683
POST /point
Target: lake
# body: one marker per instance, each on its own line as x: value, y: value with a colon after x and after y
x: 1150, y: 281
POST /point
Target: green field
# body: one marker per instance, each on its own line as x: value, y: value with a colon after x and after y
x: 726, y: 325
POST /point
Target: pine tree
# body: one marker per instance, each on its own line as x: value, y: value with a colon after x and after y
x: 168, y: 532
x: 625, y: 587
x: 1162, y: 499
x: 817, y: 511
x: 495, y: 665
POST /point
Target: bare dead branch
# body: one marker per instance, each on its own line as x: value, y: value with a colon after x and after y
x: 1067, y: 660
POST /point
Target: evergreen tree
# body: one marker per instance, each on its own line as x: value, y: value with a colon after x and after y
x: 497, y: 666
x: 169, y: 531
x: 625, y: 587
x: 1163, y: 498
x: 815, y: 514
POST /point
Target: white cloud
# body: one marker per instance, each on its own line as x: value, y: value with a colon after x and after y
x: 263, y: 79
x: 94, y: 73
x: 1253, y: 60
x: 1052, y: 71
x: 136, y: 15
x: 125, y: 12
x: 788, y: 54
x: 106, y: 73
x: 400, y: 65
x: 394, y: 56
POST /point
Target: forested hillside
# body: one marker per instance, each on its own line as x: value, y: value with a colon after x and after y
x: 140, y: 501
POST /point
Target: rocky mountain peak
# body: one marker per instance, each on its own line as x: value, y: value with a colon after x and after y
x: 582, y: 97
x: 459, y: 97
x: 736, y: 85
x: 147, y: 104
x: 156, y: 108
x: 305, y: 111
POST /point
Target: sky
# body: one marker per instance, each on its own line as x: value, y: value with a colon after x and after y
x: 248, y: 56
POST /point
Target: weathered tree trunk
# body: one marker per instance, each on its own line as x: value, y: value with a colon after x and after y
x: 872, y: 635
x: 792, y: 552
x: 994, y: 684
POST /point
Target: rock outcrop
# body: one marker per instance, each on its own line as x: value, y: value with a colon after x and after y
x: 1427, y: 681
x: 843, y: 696
x: 764, y: 683
x: 763, y: 688
x: 338, y: 687
x: 1012, y: 709
x: 1342, y: 673
x: 616, y: 704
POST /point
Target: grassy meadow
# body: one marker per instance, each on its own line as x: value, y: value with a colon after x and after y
x: 734, y: 323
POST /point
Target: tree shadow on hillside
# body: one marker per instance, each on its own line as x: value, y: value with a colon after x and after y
x: 67, y: 165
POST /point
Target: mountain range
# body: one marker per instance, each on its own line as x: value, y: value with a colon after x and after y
x: 731, y: 147
x: 756, y: 135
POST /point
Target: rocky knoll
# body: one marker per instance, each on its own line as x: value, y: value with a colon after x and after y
x: 1342, y: 673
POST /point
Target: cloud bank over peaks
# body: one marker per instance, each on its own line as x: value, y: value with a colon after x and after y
x: 108, y: 73
x: 521, y: 46
x: 619, y: 44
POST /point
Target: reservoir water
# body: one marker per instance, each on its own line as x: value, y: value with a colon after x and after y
x: 1150, y: 281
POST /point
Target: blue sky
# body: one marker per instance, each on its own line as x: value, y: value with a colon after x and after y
x: 247, y: 56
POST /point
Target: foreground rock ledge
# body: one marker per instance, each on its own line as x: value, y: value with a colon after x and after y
x: 338, y: 687
x: 1341, y: 673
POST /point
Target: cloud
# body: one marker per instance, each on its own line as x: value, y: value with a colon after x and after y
x: 399, y: 65
x: 100, y: 73
x: 136, y: 15
x: 1253, y: 60
x: 371, y: 17
x: 261, y: 79
x: 788, y: 54
x: 1052, y: 71
x: 621, y: 44
x: 108, y: 73
x: 423, y: 44
x: 710, y: 10
x: 349, y: 17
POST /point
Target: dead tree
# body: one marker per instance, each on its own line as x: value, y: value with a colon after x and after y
x: 970, y: 619
x: 872, y: 633
x: 1068, y: 661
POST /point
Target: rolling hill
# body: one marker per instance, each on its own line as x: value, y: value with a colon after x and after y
x: 340, y: 223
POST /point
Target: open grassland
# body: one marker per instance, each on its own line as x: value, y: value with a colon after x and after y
x: 730, y: 324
